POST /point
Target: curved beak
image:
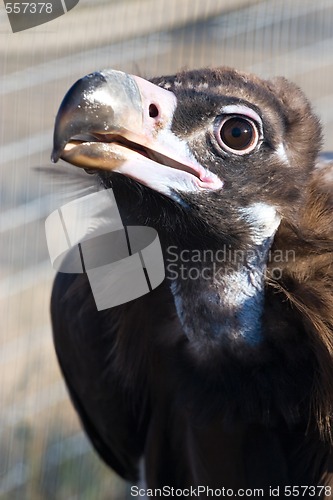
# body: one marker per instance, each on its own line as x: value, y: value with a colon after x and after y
x: 113, y: 121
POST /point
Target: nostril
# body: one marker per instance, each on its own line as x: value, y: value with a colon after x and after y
x: 153, y: 111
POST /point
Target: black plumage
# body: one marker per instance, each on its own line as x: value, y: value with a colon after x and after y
x: 225, y: 380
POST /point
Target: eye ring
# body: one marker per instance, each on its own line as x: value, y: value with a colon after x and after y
x: 237, y: 134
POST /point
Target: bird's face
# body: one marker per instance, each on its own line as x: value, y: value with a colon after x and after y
x: 232, y: 150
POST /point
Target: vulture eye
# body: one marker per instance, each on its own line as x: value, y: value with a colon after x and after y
x: 237, y: 134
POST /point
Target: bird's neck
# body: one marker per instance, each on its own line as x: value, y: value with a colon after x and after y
x: 219, y: 294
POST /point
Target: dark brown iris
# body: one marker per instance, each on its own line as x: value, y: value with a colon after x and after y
x: 238, y: 133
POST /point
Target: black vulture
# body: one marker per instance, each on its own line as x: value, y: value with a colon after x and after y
x: 220, y: 380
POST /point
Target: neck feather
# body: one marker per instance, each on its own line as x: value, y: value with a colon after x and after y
x: 219, y: 295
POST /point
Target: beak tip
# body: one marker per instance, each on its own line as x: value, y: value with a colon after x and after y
x: 54, y: 156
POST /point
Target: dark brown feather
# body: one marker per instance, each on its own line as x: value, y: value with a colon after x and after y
x: 307, y: 283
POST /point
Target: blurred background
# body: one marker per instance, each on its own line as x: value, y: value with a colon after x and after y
x: 43, y: 452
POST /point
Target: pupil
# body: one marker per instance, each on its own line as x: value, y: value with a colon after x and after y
x: 236, y: 132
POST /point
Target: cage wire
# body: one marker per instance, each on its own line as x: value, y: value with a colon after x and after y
x: 43, y: 451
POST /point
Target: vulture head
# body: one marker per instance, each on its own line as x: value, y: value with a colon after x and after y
x: 216, y: 143
x: 224, y: 166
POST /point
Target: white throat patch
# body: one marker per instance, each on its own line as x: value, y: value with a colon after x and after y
x: 263, y: 220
